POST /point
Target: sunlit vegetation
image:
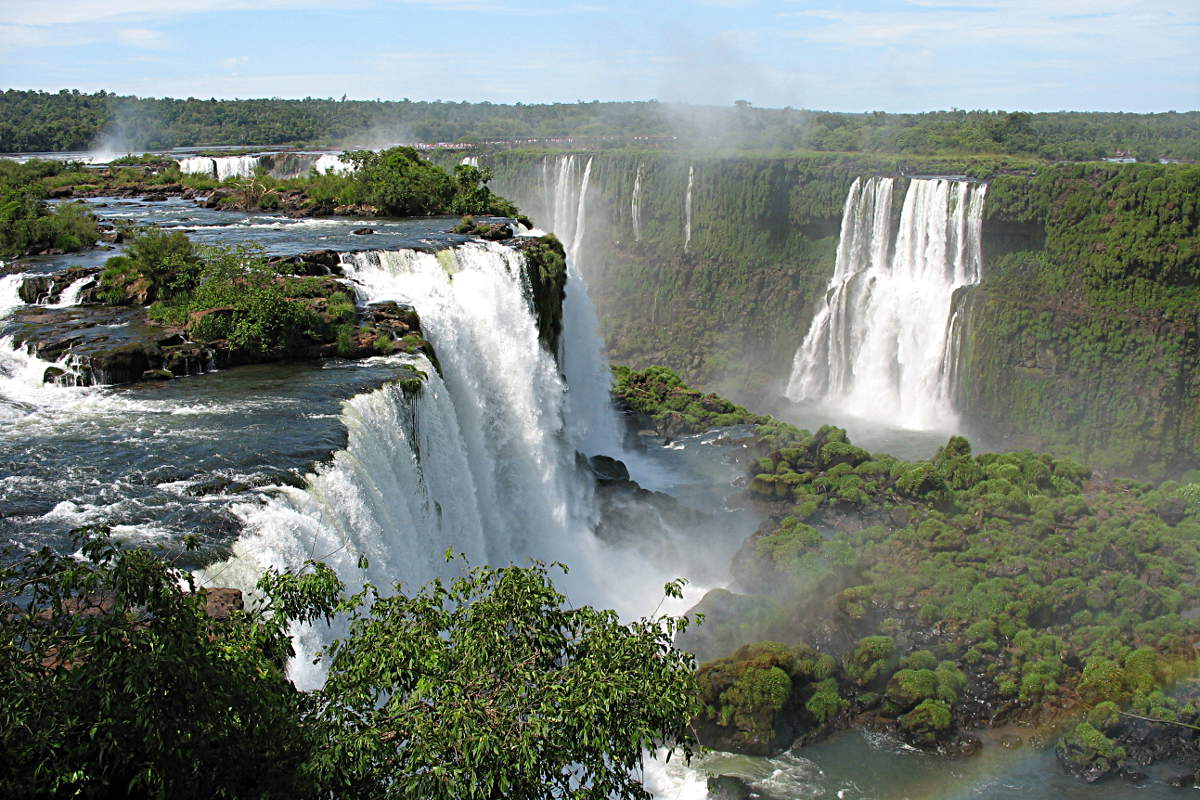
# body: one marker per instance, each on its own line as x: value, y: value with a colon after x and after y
x: 962, y: 590
x: 28, y: 224
x: 120, y: 677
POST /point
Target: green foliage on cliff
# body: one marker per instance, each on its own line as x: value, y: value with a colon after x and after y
x: 1085, y: 333
x: 396, y: 182
x: 116, y: 682
x: 28, y: 224
x: 546, y: 272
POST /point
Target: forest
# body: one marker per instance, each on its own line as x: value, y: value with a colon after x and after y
x: 34, y: 121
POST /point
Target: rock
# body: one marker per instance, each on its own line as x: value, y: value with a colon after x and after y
x: 158, y: 375
x: 1184, y: 781
x: 608, y: 469
x: 154, y: 197
x: 35, y: 288
x: 219, y: 603
x: 1172, y: 510
x: 1010, y: 741
x: 362, y: 231
x: 728, y: 787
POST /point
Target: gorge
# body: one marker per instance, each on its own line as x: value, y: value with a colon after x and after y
x: 738, y: 271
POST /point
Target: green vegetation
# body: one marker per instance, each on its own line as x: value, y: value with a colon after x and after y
x: 1013, y: 579
x: 396, y: 182
x: 28, y: 224
x: 233, y: 295
x: 117, y: 681
x: 33, y: 121
x: 660, y: 394
x: 1084, y: 332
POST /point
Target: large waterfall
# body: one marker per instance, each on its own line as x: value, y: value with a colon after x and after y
x: 480, y: 460
x: 884, y: 343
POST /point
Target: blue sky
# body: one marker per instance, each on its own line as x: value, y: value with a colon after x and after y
x: 891, y: 55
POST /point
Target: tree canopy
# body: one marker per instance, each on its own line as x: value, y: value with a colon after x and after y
x: 118, y: 679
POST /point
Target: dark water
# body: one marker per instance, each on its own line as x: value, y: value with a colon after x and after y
x: 161, y: 460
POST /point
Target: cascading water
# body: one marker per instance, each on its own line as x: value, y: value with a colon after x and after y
x: 884, y: 344
x: 70, y: 295
x: 687, y: 210
x: 235, y: 166
x: 593, y: 421
x: 635, y: 204
x: 479, y: 460
x: 197, y: 165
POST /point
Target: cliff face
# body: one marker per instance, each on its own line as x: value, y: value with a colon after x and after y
x: 1082, y: 337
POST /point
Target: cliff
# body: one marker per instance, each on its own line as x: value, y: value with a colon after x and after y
x: 1081, y: 338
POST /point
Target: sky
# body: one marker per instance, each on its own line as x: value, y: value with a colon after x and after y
x: 837, y: 55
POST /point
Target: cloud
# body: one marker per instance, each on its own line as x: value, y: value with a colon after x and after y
x: 143, y: 37
x: 233, y: 62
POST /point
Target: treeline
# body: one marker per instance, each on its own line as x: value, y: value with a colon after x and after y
x: 32, y: 121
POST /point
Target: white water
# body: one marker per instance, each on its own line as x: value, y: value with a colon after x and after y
x: 70, y: 295
x: 197, y: 165
x: 480, y: 460
x: 470, y: 161
x: 687, y: 210
x: 885, y: 343
x: 593, y: 421
x: 635, y: 204
x: 235, y: 166
x: 10, y: 285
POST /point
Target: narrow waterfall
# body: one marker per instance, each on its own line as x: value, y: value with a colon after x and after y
x: 70, y: 295
x: 635, y: 204
x: 885, y: 342
x: 470, y: 161
x: 687, y: 210
x: 592, y: 420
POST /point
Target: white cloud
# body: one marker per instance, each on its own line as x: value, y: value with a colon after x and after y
x: 143, y: 37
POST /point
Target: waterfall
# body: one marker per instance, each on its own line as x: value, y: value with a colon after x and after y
x: 470, y: 161
x: 885, y: 342
x: 197, y: 165
x: 687, y: 210
x: 221, y: 168
x: 235, y: 166
x: 10, y: 297
x: 635, y: 204
x: 70, y: 295
x: 479, y: 460
x: 592, y: 419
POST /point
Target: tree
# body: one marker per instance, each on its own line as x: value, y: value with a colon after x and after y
x: 115, y: 681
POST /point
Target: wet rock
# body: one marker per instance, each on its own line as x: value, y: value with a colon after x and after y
x: 1010, y: 741
x: 1172, y: 510
x: 362, y: 231
x: 728, y: 787
x: 157, y: 375
x: 608, y: 469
